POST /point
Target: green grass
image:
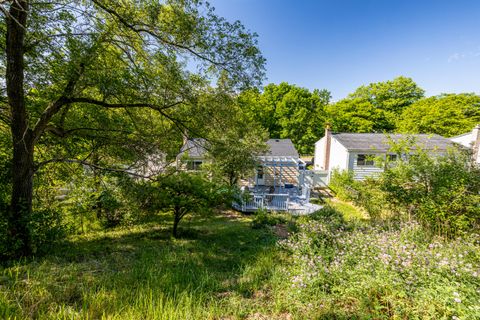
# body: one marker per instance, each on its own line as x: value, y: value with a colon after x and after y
x: 221, y: 267
x: 226, y: 267
x: 348, y: 210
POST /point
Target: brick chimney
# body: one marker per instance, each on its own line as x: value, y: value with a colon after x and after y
x: 328, y: 142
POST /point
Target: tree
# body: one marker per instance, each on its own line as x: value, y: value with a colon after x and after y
x: 102, y: 71
x: 393, y: 95
x: 183, y: 193
x: 446, y: 115
x: 288, y: 111
x: 375, y: 107
x: 233, y: 155
x: 357, y: 115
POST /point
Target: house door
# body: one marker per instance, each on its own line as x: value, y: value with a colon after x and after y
x: 260, y: 179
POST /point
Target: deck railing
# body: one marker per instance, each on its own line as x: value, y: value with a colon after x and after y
x: 270, y: 202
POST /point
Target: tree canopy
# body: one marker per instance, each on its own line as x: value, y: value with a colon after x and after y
x: 107, y: 83
x: 375, y: 107
x: 447, y: 115
x: 288, y: 111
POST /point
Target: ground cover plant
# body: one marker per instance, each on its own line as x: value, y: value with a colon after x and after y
x: 392, y: 271
x: 334, y: 264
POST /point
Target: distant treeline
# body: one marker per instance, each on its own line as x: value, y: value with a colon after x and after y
x: 399, y: 105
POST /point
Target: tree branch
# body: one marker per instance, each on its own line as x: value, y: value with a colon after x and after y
x: 155, y: 35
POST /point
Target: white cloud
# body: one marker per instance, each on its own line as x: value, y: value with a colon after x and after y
x: 464, y: 55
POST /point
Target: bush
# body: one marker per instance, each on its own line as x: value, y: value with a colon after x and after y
x: 365, y: 194
x: 264, y: 219
x: 442, y: 192
x: 109, y: 209
x: 344, y: 186
x: 46, y: 228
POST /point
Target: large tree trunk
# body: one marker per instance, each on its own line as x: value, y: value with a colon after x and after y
x: 23, y: 140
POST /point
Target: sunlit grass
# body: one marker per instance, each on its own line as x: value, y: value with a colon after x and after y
x: 217, y: 268
x: 225, y: 267
x: 348, y: 210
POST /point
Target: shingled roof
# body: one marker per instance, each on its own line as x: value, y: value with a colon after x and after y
x: 195, y: 147
x: 380, y: 141
x: 281, y: 148
x: 276, y: 147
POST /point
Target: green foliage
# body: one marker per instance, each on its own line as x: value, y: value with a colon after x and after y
x: 442, y: 192
x: 342, y: 183
x: 109, y: 87
x: 374, y: 108
x: 46, y: 229
x: 264, y: 219
x: 370, y: 271
x: 393, y: 95
x: 108, y: 209
x: 234, y: 139
x: 447, y: 115
x: 184, y: 193
x: 288, y: 111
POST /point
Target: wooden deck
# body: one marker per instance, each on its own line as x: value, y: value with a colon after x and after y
x: 281, y: 200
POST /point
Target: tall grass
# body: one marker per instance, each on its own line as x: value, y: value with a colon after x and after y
x: 143, y: 273
x: 227, y: 267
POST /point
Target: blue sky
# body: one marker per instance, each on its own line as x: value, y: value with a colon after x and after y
x: 341, y: 44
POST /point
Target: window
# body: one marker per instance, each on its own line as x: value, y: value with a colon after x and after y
x: 365, y: 160
x: 194, y: 165
x: 392, y: 157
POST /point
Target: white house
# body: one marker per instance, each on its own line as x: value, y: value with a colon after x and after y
x: 192, y: 155
x: 278, y: 166
x: 356, y: 151
x: 470, y: 140
x: 278, y: 184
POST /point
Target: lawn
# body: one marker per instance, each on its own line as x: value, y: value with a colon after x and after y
x: 219, y: 268
x: 336, y: 265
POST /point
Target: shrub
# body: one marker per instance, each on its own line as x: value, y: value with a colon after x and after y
x: 264, y: 219
x: 344, y: 186
x: 109, y: 209
x: 46, y: 228
x: 443, y: 192
x: 365, y: 194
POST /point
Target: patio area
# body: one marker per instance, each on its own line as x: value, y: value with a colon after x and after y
x: 277, y: 199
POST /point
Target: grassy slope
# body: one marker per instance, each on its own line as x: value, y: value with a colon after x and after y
x: 218, y: 269
x: 348, y: 210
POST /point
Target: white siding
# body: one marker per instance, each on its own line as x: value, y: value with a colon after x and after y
x: 361, y: 172
x: 338, y: 156
x: 465, y: 140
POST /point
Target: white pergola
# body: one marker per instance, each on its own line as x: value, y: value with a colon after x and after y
x: 282, y: 162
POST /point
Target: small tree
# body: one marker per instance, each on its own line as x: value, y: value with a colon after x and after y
x: 183, y: 193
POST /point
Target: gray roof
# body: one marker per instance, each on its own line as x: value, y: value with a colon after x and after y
x: 380, y: 141
x: 277, y: 147
x: 281, y: 148
x: 195, y: 147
